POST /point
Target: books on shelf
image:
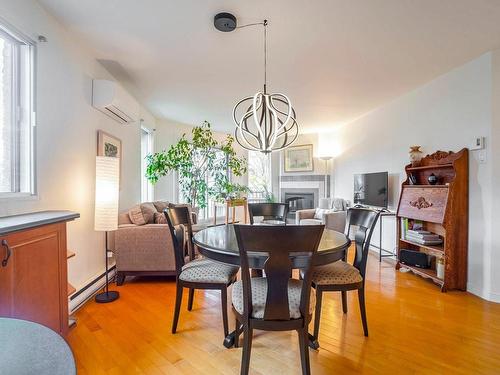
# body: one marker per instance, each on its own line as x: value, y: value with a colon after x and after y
x: 420, y: 241
x: 412, y: 230
x: 409, y: 225
x: 418, y: 232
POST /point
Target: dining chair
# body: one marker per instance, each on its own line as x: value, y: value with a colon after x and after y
x: 269, y: 211
x: 197, y: 273
x: 342, y: 276
x: 275, y: 302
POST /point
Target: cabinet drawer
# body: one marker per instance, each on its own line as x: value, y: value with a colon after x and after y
x: 427, y: 204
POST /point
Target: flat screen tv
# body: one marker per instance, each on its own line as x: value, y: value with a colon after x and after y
x: 370, y: 189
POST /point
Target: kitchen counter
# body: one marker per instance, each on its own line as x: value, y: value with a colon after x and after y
x: 9, y: 224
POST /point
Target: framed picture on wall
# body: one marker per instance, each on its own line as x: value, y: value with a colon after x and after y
x: 108, y: 145
x: 299, y: 159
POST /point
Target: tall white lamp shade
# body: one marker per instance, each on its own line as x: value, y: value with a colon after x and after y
x: 326, y: 158
x: 107, y: 186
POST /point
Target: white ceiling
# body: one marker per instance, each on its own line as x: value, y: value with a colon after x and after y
x: 335, y: 59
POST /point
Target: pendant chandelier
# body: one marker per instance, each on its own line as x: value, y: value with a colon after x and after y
x: 264, y: 122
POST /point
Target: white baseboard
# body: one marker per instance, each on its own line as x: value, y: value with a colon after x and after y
x: 494, y: 297
x: 481, y: 293
x: 88, y: 290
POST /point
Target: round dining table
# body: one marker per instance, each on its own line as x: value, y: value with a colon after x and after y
x: 219, y: 243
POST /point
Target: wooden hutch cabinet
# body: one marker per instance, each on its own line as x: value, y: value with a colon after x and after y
x: 441, y: 209
x: 33, y: 268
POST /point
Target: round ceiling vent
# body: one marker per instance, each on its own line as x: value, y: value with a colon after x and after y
x: 225, y: 22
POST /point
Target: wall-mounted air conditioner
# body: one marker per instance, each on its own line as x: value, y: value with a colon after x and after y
x: 111, y: 99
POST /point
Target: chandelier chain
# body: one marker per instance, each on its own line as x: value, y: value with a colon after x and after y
x: 265, y: 56
x: 263, y: 23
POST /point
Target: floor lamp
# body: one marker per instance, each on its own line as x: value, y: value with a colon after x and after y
x: 326, y: 158
x: 107, y: 186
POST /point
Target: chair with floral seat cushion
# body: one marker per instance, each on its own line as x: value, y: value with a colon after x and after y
x: 275, y: 302
x: 198, y: 273
x: 342, y: 276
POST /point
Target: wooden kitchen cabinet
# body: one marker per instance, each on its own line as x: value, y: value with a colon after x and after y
x: 33, y: 272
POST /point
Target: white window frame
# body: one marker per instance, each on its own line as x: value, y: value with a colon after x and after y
x: 147, y: 189
x: 259, y: 196
x: 23, y: 116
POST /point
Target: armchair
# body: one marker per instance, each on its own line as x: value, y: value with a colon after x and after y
x: 333, y: 216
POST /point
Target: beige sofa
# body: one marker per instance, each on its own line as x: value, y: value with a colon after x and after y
x: 333, y: 215
x: 143, y: 247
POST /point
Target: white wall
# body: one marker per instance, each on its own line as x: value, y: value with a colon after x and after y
x: 495, y: 168
x: 67, y: 136
x: 446, y: 114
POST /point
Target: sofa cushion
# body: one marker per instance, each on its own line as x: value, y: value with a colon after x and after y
x: 339, y: 204
x: 159, y: 218
x: 136, y: 216
x: 259, y: 295
x: 320, y: 213
x: 148, y: 211
x: 310, y: 222
x: 161, y: 205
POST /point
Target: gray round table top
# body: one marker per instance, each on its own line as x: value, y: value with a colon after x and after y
x: 219, y: 243
x: 28, y: 348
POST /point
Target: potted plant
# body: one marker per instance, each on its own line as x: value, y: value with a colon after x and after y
x: 194, y: 160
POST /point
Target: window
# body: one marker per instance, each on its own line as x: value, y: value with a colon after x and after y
x: 212, y: 209
x: 146, y: 149
x: 259, y: 176
x: 17, y: 120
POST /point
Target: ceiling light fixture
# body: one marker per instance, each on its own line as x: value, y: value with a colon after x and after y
x: 264, y: 122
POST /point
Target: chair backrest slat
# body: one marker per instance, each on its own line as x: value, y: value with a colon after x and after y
x: 364, y: 219
x: 278, y: 242
x: 178, y: 218
x: 269, y: 211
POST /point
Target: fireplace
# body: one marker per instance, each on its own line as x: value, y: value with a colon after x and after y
x: 298, y: 201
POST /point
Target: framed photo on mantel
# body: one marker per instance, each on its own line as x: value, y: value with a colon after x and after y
x: 299, y: 159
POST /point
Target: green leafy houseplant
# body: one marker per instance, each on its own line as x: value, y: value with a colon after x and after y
x: 193, y: 160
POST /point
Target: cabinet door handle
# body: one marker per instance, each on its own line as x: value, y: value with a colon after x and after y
x: 8, y: 251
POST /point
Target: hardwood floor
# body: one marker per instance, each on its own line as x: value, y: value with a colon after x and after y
x: 414, y: 329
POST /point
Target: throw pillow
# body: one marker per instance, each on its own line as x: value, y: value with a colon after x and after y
x: 148, y: 211
x: 320, y: 213
x: 160, y: 218
x: 160, y: 205
x: 338, y: 204
x: 135, y: 215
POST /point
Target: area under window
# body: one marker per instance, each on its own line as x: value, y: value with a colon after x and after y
x: 212, y: 208
x: 17, y: 120
x: 146, y: 149
x: 259, y: 176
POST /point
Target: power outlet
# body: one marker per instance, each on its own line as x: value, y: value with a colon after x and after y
x: 481, y: 157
